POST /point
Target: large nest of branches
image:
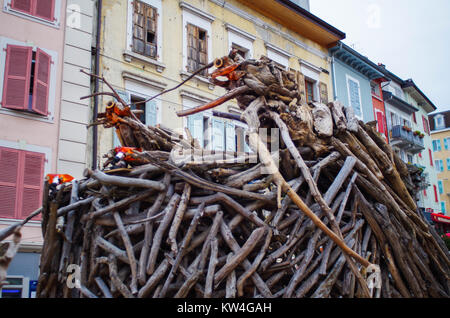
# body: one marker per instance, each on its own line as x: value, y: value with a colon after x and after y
x: 319, y: 208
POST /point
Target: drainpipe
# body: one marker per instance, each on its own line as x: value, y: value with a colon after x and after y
x: 333, y: 73
x: 97, y: 84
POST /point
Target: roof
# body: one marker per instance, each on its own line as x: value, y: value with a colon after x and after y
x: 417, y: 94
x: 410, y: 87
x: 399, y: 103
x: 357, y: 61
x: 297, y: 19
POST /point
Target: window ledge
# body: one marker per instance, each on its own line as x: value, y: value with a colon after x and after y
x: 129, y: 56
x: 184, y: 75
x: 8, y: 9
x: 27, y: 115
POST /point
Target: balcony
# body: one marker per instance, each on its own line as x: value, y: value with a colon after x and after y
x: 406, y: 140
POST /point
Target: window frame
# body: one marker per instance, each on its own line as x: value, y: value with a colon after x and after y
x: 129, y: 52
x: 51, y: 98
x: 312, y: 84
x: 145, y: 30
x: 240, y: 40
x: 348, y: 79
x: 438, y: 126
x: 201, y: 19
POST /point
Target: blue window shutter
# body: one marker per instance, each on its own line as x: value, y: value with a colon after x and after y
x: 354, y: 97
x: 150, y: 113
x: 218, y: 138
x: 439, y: 145
x: 443, y: 207
x: 446, y: 143
x: 230, y: 135
x: 195, y: 126
x: 126, y: 98
x: 441, y: 189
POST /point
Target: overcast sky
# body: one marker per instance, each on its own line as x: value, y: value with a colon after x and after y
x: 411, y: 37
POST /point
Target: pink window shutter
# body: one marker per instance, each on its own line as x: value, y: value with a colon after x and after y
x: 9, y: 178
x: 41, y: 82
x: 44, y: 9
x: 33, y: 176
x: 22, y: 5
x: 16, y: 84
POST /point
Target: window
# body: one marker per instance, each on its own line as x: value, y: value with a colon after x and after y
x: 309, y: 90
x: 439, y: 122
x: 443, y: 207
x: 354, y: 96
x: 410, y: 158
x: 27, y: 79
x: 241, y: 41
x: 446, y: 143
x: 43, y: 9
x: 197, y: 48
x: 21, y: 180
x: 375, y: 89
x: 437, y: 145
x: 144, y: 29
x: 439, y: 165
x: 441, y: 187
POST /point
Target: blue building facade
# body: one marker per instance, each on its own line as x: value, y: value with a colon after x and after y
x: 353, y: 80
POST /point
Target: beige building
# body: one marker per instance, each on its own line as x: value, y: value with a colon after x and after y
x: 151, y: 45
x: 440, y: 134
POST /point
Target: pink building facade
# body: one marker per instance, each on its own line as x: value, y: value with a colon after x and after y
x: 31, y: 67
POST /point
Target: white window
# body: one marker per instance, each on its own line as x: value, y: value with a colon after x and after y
x: 354, y: 96
x: 278, y: 55
x: 144, y: 28
x: 198, y: 22
x: 439, y: 122
x: 240, y: 40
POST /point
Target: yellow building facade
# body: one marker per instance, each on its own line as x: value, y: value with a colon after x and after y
x: 441, y: 153
x: 148, y: 46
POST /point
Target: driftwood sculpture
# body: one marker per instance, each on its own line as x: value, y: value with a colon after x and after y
x: 331, y: 218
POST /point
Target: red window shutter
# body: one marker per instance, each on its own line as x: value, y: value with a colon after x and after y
x: 9, y: 175
x: 380, y: 122
x: 16, y: 84
x: 431, y: 157
x: 41, y: 82
x: 44, y: 9
x: 22, y: 5
x: 420, y: 155
x: 435, y: 194
x: 414, y: 118
x: 32, y: 182
x: 425, y: 192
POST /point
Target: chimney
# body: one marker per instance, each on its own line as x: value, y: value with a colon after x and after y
x: 382, y: 65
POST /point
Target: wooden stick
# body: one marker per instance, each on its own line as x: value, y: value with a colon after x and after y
x: 239, y: 255
x: 212, y: 265
x: 170, y: 210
